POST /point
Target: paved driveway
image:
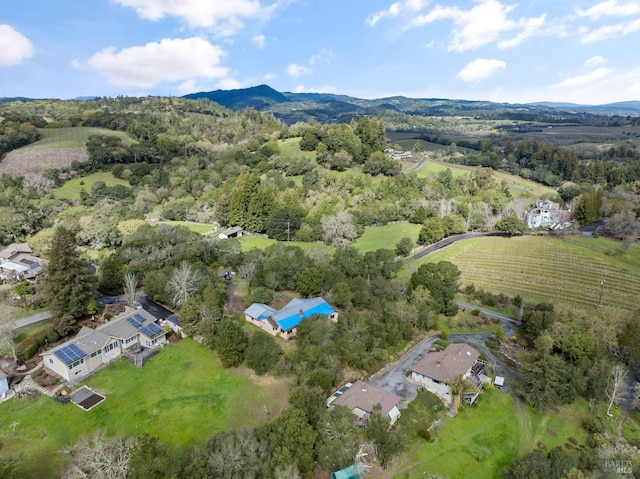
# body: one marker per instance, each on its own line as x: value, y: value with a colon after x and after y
x: 392, y: 378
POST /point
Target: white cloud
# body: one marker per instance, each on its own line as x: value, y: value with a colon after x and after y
x: 609, y: 31
x: 595, y: 61
x: 480, y: 69
x: 259, y: 41
x: 586, y: 79
x: 321, y: 89
x: 224, y: 17
x: 396, y: 9
x: 612, y: 8
x: 14, y: 46
x: 482, y: 24
x: 268, y: 76
x: 324, y: 56
x: 530, y: 27
x: 229, y: 84
x: 296, y: 70
x: 170, y: 60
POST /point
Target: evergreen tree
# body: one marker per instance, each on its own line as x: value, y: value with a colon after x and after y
x: 262, y: 352
x: 231, y: 343
x: 68, y: 283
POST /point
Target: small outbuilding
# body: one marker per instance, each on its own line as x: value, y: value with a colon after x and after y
x: 233, y: 232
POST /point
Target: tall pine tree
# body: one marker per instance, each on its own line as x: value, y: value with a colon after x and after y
x: 68, y: 283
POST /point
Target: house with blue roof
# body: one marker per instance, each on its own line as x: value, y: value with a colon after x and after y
x: 92, y: 348
x: 284, y: 322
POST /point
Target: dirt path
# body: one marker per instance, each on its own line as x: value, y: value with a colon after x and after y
x: 234, y: 303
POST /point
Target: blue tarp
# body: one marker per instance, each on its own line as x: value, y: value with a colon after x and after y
x: 294, y: 319
x: 346, y: 473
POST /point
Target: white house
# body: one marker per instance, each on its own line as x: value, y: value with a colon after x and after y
x: 546, y: 214
x: 361, y: 398
x: 92, y: 348
x: 436, y: 371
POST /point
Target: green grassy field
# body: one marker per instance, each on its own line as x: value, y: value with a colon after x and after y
x: 548, y: 269
x: 517, y: 185
x: 72, y: 188
x: 290, y: 148
x: 72, y: 137
x: 481, y: 440
x: 182, y: 396
x: 200, y: 228
x: 249, y: 242
x: 386, y: 236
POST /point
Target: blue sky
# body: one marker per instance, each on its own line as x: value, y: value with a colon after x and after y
x: 582, y: 51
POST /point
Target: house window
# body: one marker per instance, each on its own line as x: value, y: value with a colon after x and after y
x: 148, y: 343
x: 131, y: 339
x: 76, y: 364
x: 95, y: 353
x: 110, y: 347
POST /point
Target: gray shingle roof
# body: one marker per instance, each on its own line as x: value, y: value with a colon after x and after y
x: 449, y: 364
x: 90, y: 340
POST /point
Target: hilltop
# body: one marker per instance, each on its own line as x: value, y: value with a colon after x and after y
x: 323, y: 106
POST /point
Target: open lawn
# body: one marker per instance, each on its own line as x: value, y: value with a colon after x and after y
x: 182, y: 396
x: 72, y: 188
x: 517, y: 185
x: 481, y: 440
x: 386, y: 236
x: 249, y: 242
x: 549, y: 269
x: 290, y: 148
x: 200, y: 228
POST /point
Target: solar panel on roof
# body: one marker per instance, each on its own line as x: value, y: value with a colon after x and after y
x: 139, y: 317
x: 155, y: 328
x: 134, y: 323
x: 70, y: 353
x: 147, y: 332
x: 28, y: 262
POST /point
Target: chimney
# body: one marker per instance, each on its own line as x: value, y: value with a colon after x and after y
x: 301, y: 313
x: 438, y: 363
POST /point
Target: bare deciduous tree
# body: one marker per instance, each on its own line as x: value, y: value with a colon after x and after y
x: 24, y: 390
x: 616, y: 380
x: 247, y: 271
x: 289, y: 471
x: 130, y: 289
x: 338, y: 230
x: 100, y: 457
x: 183, y: 283
x: 8, y: 339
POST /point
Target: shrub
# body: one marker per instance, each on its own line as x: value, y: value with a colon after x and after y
x: 592, y: 424
x: 30, y: 346
x: 262, y: 353
x: 424, y: 434
x: 53, y: 336
x: 475, y: 312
